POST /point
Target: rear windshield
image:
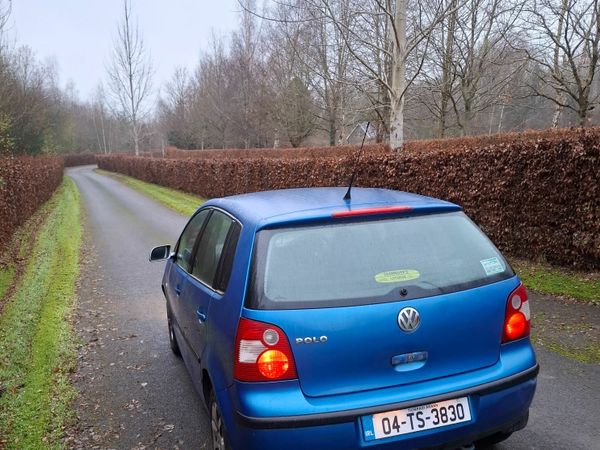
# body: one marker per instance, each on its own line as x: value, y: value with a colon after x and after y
x: 371, y: 262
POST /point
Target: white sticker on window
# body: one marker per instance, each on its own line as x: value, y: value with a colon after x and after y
x: 492, y: 266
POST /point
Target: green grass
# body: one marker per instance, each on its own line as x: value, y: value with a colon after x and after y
x: 181, y: 202
x: 589, y: 354
x: 16, y: 251
x: 556, y: 281
x: 37, y: 343
x: 6, y: 279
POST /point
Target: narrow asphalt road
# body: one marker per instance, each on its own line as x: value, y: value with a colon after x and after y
x: 136, y: 394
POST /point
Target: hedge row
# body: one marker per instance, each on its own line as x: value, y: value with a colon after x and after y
x: 79, y: 159
x: 25, y: 183
x: 432, y: 145
x: 536, y: 198
x: 464, y: 143
x: 276, y: 153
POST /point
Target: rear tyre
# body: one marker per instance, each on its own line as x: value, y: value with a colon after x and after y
x: 172, y: 339
x: 219, y: 438
x: 492, y: 440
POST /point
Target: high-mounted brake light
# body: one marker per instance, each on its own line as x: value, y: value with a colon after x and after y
x: 517, y: 321
x: 371, y: 211
x: 262, y: 353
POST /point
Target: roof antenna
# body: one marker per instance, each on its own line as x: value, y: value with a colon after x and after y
x: 348, y: 195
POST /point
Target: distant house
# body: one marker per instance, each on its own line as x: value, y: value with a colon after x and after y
x: 358, y: 132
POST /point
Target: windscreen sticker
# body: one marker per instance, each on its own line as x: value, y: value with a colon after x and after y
x: 492, y: 266
x: 397, y: 276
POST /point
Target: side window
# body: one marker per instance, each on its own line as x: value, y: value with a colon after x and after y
x: 188, y: 239
x: 226, y: 264
x: 211, y: 246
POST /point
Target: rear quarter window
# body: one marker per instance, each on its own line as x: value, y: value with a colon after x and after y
x: 354, y: 263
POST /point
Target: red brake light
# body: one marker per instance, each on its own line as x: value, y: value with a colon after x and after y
x: 262, y: 353
x: 371, y: 211
x: 273, y: 364
x: 517, y: 321
x: 515, y: 326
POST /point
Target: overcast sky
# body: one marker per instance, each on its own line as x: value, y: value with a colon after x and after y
x: 79, y: 33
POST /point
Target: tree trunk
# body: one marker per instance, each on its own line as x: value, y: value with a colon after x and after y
x: 492, y: 118
x: 398, y: 78
x: 397, y: 124
x: 556, y: 62
x: 501, y: 118
x: 558, y: 110
x: 136, y: 140
x: 332, y: 131
x: 104, y: 148
x: 583, y: 113
x: 446, y: 90
x: 556, y: 116
x: 467, y: 118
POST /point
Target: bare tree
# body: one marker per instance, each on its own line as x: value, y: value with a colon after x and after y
x: 295, y: 111
x: 314, y: 51
x: 565, y: 37
x: 99, y: 119
x: 247, y: 73
x: 5, y: 10
x: 483, y: 40
x: 211, y: 96
x: 174, y: 109
x: 447, y: 45
x: 402, y: 47
x: 130, y: 74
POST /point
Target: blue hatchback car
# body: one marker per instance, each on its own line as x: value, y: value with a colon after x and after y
x: 388, y: 321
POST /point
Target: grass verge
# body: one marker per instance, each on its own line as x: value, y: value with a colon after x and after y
x: 547, y: 279
x: 37, y: 343
x: 14, y: 257
x: 7, y: 275
x: 181, y: 202
x: 589, y: 354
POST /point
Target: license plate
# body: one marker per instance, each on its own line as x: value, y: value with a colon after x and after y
x: 417, y: 418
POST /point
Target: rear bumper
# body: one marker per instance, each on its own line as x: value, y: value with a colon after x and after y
x: 308, y: 420
x: 499, y: 406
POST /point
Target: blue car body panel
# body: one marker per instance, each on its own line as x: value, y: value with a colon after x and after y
x: 352, y: 375
x: 353, y: 361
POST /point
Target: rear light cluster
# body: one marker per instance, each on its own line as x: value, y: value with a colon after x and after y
x: 517, y: 321
x: 262, y: 353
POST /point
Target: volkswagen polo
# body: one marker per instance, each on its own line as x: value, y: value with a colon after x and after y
x: 385, y: 321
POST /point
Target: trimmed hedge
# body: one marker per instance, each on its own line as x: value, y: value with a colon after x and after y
x: 535, y: 197
x: 430, y: 145
x: 79, y: 159
x: 275, y: 153
x: 25, y: 183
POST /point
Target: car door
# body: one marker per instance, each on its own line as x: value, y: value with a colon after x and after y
x: 181, y: 268
x: 205, y: 284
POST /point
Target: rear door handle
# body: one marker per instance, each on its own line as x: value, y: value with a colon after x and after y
x: 201, y: 316
x: 178, y: 290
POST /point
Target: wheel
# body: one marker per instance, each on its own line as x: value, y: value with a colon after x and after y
x: 172, y: 339
x: 492, y: 440
x: 219, y: 440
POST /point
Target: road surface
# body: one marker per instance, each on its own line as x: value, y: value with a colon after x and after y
x: 136, y: 394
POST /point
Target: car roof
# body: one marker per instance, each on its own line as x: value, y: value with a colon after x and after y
x: 312, y: 204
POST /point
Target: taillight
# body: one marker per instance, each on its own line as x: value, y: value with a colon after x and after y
x: 262, y: 353
x: 517, y: 321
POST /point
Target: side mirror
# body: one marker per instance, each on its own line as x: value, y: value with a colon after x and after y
x: 160, y: 253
